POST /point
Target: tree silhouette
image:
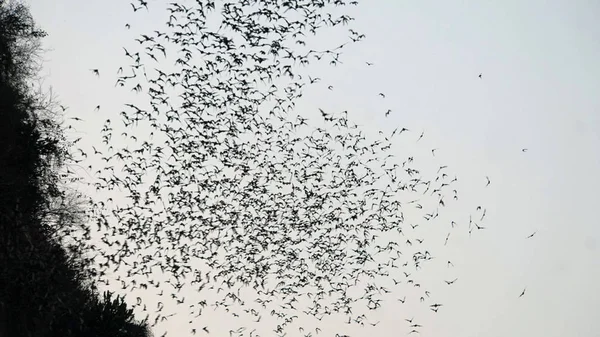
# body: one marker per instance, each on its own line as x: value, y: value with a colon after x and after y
x: 45, y: 290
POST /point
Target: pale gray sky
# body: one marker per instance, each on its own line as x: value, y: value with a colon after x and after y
x: 539, y: 90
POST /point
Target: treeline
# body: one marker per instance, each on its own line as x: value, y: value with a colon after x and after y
x: 45, y: 289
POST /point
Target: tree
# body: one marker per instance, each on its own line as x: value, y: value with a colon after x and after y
x: 44, y: 290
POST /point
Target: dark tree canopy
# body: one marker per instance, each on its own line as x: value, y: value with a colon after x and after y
x: 45, y: 289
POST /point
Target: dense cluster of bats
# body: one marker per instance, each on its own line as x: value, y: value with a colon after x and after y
x: 229, y: 188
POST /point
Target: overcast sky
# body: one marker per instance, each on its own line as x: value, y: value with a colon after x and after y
x: 539, y: 91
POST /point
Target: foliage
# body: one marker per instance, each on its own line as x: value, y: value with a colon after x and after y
x: 45, y: 290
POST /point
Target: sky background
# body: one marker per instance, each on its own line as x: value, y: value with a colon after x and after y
x: 539, y: 90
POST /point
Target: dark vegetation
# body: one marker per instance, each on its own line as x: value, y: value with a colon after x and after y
x: 45, y: 288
